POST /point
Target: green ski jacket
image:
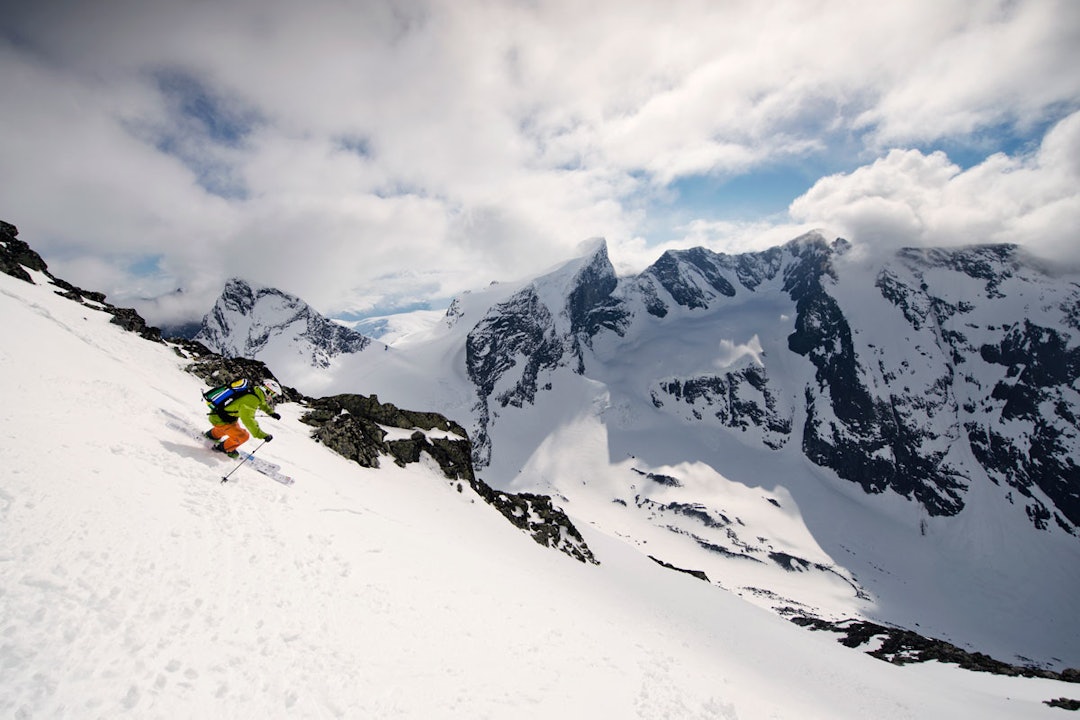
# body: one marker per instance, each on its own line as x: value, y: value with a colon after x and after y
x: 243, y: 409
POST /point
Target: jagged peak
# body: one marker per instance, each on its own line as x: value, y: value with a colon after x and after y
x: 246, y: 315
x: 992, y: 263
x: 593, y: 246
x: 590, y: 252
x: 591, y: 269
x: 812, y: 239
x: 242, y: 295
x: 975, y: 256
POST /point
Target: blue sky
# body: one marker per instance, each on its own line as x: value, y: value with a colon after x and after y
x: 387, y: 154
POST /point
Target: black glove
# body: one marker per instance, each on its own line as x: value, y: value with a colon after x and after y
x: 276, y: 416
x: 268, y: 438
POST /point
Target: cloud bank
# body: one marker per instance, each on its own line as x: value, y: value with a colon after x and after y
x: 912, y: 198
x: 380, y: 154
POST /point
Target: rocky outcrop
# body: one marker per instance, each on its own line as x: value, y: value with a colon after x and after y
x: 16, y: 256
x: 1004, y: 330
x: 539, y: 518
x: 739, y: 399
x: 519, y: 333
x: 216, y: 370
x: 693, y: 573
x: 902, y: 647
x: 358, y: 427
x: 355, y: 426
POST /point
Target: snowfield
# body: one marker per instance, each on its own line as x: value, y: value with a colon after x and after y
x: 134, y: 584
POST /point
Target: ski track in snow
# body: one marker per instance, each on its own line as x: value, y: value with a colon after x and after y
x: 134, y: 584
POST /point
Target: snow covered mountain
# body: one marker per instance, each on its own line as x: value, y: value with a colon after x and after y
x: 134, y: 584
x: 823, y: 433
x: 280, y: 329
x: 912, y: 367
x: 820, y: 432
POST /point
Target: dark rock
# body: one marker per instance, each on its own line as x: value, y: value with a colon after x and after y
x: 589, y: 303
x: 665, y: 480
x: 536, y: 515
x: 902, y: 647
x: 520, y: 330
x: 669, y: 273
x: 352, y: 425
x: 739, y: 399
x: 992, y: 263
x: 698, y: 512
x: 874, y: 442
x: 1041, y: 369
x: 131, y: 321
x: 700, y: 575
x: 16, y: 256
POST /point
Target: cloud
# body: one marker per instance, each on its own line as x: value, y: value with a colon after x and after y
x: 997, y: 64
x: 368, y: 154
x: 732, y: 352
x: 912, y: 198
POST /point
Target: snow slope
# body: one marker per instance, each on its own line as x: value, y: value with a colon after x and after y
x: 672, y: 410
x: 738, y: 498
x: 134, y: 584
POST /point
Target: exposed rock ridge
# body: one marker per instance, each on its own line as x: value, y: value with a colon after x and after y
x: 355, y: 427
x: 904, y: 647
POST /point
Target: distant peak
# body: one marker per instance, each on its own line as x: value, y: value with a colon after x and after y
x: 591, y: 246
x: 816, y: 240
x: 235, y: 283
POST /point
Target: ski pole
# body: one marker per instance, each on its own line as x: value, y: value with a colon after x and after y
x: 246, y: 457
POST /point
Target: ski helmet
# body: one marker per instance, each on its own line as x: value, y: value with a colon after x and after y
x: 271, y: 388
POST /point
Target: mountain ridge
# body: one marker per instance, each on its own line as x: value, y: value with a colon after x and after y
x: 250, y: 320
x: 770, y: 390
x: 803, y: 365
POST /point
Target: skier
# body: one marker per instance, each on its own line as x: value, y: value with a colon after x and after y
x: 226, y: 418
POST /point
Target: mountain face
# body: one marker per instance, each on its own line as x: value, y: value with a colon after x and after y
x: 357, y: 427
x: 252, y: 321
x: 998, y: 331
x: 544, y: 326
x: 169, y: 591
x: 823, y: 433
x: 966, y: 367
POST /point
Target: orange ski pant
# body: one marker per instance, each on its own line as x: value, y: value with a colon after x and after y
x: 234, y: 435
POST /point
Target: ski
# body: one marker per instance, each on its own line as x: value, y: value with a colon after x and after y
x: 259, y: 465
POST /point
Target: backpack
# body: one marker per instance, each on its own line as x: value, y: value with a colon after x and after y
x: 222, y: 395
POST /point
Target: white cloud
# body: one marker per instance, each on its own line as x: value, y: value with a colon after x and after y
x: 912, y: 198
x: 997, y: 63
x: 359, y: 154
x: 732, y: 352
